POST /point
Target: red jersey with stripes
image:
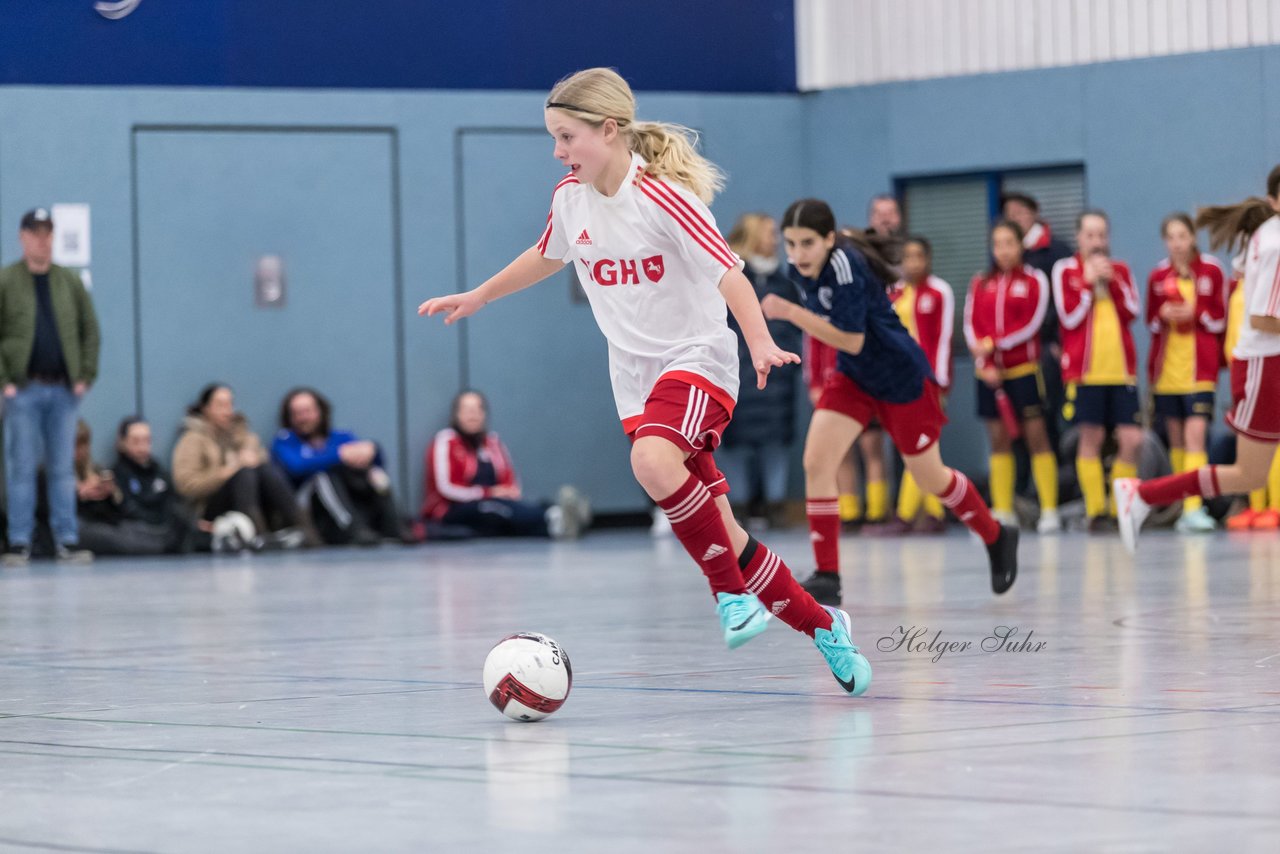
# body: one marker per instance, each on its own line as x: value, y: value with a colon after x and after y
x: 1261, y: 291
x: 650, y: 259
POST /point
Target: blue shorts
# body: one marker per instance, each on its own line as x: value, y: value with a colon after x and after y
x: 1102, y: 405
x: 1025, y: 393
x: 1183, y: 406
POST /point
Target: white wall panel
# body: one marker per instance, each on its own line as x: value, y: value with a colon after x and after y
x: 856, y: 42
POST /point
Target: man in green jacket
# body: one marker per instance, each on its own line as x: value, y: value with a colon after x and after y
x: 48, y: 360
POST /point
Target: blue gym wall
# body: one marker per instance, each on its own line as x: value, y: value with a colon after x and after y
x: 380, y: 198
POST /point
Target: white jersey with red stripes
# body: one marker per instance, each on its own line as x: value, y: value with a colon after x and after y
x: 1261, y: 291
x: 650, y: 259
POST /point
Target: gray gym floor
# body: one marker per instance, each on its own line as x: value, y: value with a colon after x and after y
x: 331, y: 702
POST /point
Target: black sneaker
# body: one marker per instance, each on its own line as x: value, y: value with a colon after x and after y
x: 1004, y: 559
x: 824, y: 587
x: 17, y: 556
x: 72, y: 553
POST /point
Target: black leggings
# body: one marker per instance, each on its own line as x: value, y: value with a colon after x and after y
x: 262, y: 494
x: 500, y: 517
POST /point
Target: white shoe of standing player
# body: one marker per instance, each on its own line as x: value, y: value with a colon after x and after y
x: 1131, y: 511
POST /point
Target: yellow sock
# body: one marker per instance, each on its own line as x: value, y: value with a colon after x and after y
x: 1089, y: 473
x: 933, y: 506
x: 1178, y: 460
x: 1119, y: 470
x: 1044, y: 470
x: 1273, y: 484
x: 1002, y: 478
x: 1258, y: 500
x: 877, y: 499
x: 1194, y: 461
x: 909, y: 497
x: 850, y: 508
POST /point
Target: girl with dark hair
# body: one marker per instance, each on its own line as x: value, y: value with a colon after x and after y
x: 471, y: 484
x: 882, y: 373
x: 1255, y: 368
x: 220, y: 467
x: 1186, y: 313
x: 1003, y: 314
x: 148, y: 496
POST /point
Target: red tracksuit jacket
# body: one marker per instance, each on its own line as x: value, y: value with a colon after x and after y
x: 1211, y: 314
x: 1074, y: 297
x: 1009, y: 309
x: 449, y: 471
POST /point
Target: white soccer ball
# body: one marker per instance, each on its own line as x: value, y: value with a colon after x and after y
x: 527, y: 676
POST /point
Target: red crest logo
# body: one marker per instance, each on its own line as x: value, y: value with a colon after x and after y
x: 653, y: 268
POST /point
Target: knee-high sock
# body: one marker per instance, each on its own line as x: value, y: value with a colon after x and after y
x: 1175, y: 487
x: 1178, y: 460
x: 909, y: 498
x: 1273, y: 484
x: 1193, y: 461
x: 1092, y: 486
x: 1044, y: 471
x: 877, y: 500
x: 1002, y: 479
x: 696, y: 522
x: 850, y: 508
x: 966, y: 503
x: 770, y: 579
x: 824, y: 532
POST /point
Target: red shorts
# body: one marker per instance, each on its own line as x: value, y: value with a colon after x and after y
x: 691, y: 413
x: 1255, y: 395
x: 913, y: 426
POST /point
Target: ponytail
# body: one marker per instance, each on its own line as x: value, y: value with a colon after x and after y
x: 671, y: 152
x: 1230, y: 226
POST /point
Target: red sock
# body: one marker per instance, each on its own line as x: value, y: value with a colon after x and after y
x: 964, y: 501
x: 1175, y: 487
x: 770, y: 579
x: 824, y: 532
x: 696, y: 521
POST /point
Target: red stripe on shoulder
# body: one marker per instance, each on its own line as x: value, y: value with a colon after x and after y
x: 693, y: 214
x: 699, y: 236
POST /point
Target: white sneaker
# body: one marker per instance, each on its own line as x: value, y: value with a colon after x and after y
x: 1006, y: 517
x: 661, y: 527
x: 555, y: 522
x: 1131, y: 510
x: 1197, y: 521
x: 1050, y: 522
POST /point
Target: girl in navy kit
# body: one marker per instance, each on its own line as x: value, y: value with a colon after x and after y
x: 882, y: 374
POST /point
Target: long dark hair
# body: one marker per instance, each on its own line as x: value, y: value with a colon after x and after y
x: 326, y: 409
x: 1008, y: 225
x: 882, y: 253
x: 1230, y: 226
x: 203, y: 398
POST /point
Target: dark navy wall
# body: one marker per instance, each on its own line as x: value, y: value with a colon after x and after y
x: 674, y: 45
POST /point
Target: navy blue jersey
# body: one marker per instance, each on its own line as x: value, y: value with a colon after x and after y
x: 891, y: 366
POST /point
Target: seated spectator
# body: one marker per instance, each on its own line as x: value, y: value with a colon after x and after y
x: 147, y: 492
x: 339, y: 476
x: 220, y: 467
x: 471, y: 483
x: 103, y: 527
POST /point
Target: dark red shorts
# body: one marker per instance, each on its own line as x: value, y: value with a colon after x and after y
x: 913, y: 426
x: 692, y: 417
x: 1255, y: 395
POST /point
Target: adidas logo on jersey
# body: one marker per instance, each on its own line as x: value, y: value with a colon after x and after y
x: 714, y: 551
x: 584, y: 239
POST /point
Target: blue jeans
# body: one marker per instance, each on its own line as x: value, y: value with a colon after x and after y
x: 41, y: 416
